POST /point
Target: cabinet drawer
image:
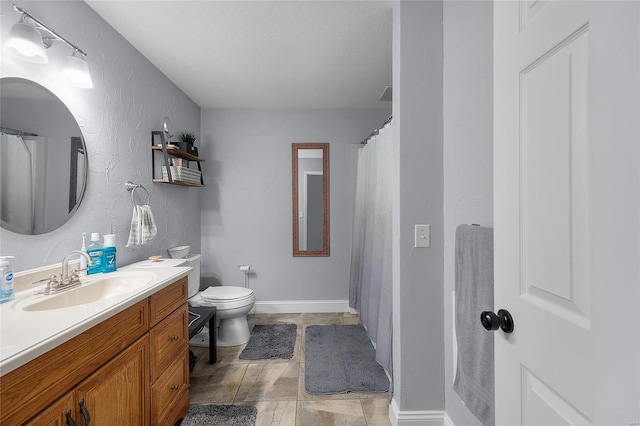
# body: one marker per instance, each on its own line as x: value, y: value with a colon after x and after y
x: 170, y: 394
x: 168, y: 339
x: 166, y: 300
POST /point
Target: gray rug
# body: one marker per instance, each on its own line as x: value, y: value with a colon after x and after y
x: 270, y: 341
x: 340, y: 359
x: 231, y: 415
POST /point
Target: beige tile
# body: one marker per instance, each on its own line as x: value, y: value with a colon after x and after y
x: 350, y: 319
x: 273, y: 381
x: 202, y: 367
x: 322, y: 318
x: 272, y: 413
x: 230, y: 355
x: 221, y: 387
x: 274, y: 385
x: 276, y: 319
x: 326, y: 412
x: 375, y: 395
x: 376, y: 411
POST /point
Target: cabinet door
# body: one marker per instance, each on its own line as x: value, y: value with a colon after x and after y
x: 117, y: 393
x: 60, y: 413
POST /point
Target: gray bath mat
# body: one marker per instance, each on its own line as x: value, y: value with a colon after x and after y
x: 270, y: 341
x: 231, y: 415
x: 340, y: 359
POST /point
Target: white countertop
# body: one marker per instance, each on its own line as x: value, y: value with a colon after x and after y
x: 25, y: 335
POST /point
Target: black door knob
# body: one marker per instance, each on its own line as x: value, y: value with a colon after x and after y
x: 502, y: 320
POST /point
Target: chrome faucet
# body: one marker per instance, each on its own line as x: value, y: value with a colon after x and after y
x: 66, y: 282
x: 65, y: 265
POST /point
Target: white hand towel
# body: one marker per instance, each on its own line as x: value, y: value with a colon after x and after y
x: 143, y: 226
x: 149, y: 228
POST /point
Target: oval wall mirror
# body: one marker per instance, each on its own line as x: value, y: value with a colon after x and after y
x: 310, y: 164
x: 43, y: 159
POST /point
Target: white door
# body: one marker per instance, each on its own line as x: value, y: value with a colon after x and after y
x: 541, y: 189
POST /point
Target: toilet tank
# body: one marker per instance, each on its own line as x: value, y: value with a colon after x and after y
x: 193, y: 260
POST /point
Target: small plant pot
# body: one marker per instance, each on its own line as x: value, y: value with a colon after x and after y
x: 186, y: 147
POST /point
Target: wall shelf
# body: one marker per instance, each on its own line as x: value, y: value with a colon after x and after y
x: 168, y: 151
x: 177, y: 152
x: 177, y: 182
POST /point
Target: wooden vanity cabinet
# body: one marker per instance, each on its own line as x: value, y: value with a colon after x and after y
x: 116, y: 394
x: 169, y: 361
x: 108, y: 371
x: 60, y: 413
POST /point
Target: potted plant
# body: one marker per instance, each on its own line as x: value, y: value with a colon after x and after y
x: 187, y: 141
x: 189, y: 138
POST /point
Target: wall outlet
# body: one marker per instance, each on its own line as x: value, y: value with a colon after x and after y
x: 423, y: 236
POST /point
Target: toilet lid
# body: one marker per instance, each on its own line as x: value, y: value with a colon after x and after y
x: 226, y: 293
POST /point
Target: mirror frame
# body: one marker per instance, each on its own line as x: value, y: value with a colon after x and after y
x: 325, y: 199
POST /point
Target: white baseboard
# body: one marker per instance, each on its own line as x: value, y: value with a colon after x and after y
x: 415, y: 418
x: 300, y: 306
x: 447, y: 420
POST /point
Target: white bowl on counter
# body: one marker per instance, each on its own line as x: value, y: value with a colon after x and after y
x: 179, y: 252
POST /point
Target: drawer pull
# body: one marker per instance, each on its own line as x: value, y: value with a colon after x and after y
x: 175, y: 387
x: 70, y: 421
x: 175, y: 338
x: 85, y: 413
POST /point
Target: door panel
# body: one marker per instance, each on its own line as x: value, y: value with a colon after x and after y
x: 544, y: 406
x: 542, y: 226
x: 554, y: 179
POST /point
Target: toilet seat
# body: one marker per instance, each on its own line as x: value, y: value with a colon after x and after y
x: 224, y: 298
x: 224, y: 294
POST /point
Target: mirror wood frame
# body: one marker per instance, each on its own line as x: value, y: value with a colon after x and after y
x: 297, y: 252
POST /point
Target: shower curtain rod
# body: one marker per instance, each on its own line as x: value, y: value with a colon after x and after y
x: 376, y: 131
x: 16, y: 132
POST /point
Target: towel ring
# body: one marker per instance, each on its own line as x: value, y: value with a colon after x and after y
x: 132, y: 187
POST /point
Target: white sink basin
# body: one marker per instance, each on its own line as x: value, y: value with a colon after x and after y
x: 94, y: 288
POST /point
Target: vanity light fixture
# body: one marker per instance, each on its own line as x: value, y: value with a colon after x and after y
x: 30, y: 37
x: 27, y: 41
x: 76, y: 70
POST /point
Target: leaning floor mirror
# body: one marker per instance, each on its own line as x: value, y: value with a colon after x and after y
x: 310, y: 179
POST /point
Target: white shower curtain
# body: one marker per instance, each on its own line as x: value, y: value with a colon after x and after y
x: 370, y: 282
x: 16, y: 184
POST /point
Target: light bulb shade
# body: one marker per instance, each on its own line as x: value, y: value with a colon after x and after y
x: 27, y: 41
x: 76, y: 70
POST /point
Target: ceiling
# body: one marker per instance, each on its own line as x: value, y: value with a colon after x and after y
x: 264, y: 54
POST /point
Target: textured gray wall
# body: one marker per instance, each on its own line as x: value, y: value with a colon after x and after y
x: 468, y: 151
x: 418, y: 341
x: 129, y: 99
x: 246, y: 205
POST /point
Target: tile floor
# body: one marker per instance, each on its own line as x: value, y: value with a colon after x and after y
x: 276, y: 387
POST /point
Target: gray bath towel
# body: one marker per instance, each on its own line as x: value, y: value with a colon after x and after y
x: 474, y: 293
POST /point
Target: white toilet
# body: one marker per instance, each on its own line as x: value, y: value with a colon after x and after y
x: 232, y: 304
